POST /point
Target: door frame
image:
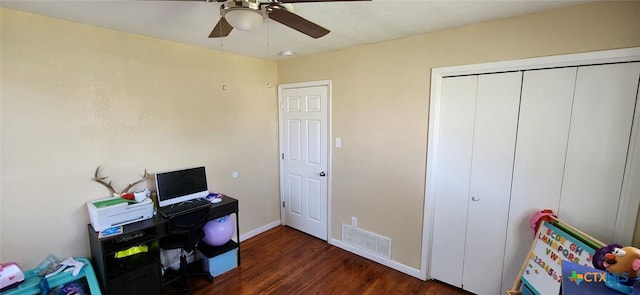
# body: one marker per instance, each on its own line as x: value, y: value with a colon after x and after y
x: 437, y: 76
x: 281, y: 87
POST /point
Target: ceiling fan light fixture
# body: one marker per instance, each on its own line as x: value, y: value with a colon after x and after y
x: 244, y: 16
x: 244, y: 20
x: 287, y: 53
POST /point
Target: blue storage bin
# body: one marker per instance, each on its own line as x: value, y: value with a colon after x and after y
x: 221, y: 263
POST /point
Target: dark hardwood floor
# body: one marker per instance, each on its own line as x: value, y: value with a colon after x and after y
x: 286, y: 261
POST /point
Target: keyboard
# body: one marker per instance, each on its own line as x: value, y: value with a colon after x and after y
x: 184, y: 207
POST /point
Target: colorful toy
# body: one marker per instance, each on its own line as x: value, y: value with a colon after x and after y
x: 599, y: 256
x: 69, y: 288
x: 623, y: 268
x: 538, y: 217
x: 11, y: 275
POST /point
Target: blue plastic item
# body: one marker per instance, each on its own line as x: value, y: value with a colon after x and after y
x: 44, y: 286
x: 221, y: 263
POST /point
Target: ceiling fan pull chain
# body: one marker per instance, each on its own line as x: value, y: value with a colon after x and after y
x: 268, y: 50
x: 224, y: 87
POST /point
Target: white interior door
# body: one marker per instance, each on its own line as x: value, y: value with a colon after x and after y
x: 573, y: 120
x: 477, y: 128
x: 304, y: 140
x: 496, y: 123
x: 631, y: 187
x: 453, y: 160
x: 543, y: 132
x: 601, y: 121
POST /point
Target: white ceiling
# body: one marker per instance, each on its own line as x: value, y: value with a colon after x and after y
x: 351, y: 23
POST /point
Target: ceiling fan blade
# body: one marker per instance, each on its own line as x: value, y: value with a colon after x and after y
x: 195, y: 0
x: 222, y: 29
x: 302, y: 1
x: 296, y: 22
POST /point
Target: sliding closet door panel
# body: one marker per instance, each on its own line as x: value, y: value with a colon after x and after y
x: 490, y: 186
x: 543, y: 131
x: 629, y: 222
x: 598, y: 142
x: 455, y: 139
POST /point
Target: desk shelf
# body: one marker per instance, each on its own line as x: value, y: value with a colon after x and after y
x: 121, y: 266
x: 113, y: 244
x: 136, y: 274
x: 212, y: 251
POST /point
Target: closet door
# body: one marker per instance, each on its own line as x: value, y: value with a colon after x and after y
x: 543, y: 132
x: 476, y: 138
x: 453, y: 160
x: 601, y: 120
x: 577, y: 151
x: 494, y: 138
x: 631, y: 185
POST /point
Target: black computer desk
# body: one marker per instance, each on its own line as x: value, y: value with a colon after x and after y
x: 141, y: 273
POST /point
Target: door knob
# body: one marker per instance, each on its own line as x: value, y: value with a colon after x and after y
x: 322, y: 173
x: 475, y: 199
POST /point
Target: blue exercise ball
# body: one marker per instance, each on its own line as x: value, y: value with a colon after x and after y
x: 219, y: 231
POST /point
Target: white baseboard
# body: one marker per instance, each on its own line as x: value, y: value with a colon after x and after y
x: 259, y: 230
x: 386, y: 262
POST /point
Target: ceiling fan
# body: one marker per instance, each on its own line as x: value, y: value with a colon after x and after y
x: 247, y: 14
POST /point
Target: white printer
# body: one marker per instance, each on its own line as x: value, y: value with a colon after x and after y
x: 110, y: 212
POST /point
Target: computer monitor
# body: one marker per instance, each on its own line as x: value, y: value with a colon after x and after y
x: 181, y: 185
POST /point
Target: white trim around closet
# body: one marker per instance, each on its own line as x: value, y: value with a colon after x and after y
x: 437, y: 76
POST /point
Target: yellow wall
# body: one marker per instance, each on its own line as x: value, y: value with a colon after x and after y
x: 75, y: 97
x: 381, y: 103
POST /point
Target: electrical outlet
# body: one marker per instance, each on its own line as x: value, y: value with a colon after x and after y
x: 354, y: 221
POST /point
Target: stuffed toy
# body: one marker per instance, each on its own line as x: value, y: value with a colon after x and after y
x: 599, y: 256
x: 623, y: 267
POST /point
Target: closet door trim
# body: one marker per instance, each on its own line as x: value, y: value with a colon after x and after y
x: 437, y: 76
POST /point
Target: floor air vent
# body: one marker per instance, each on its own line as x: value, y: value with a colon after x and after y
x: 365, y: 240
